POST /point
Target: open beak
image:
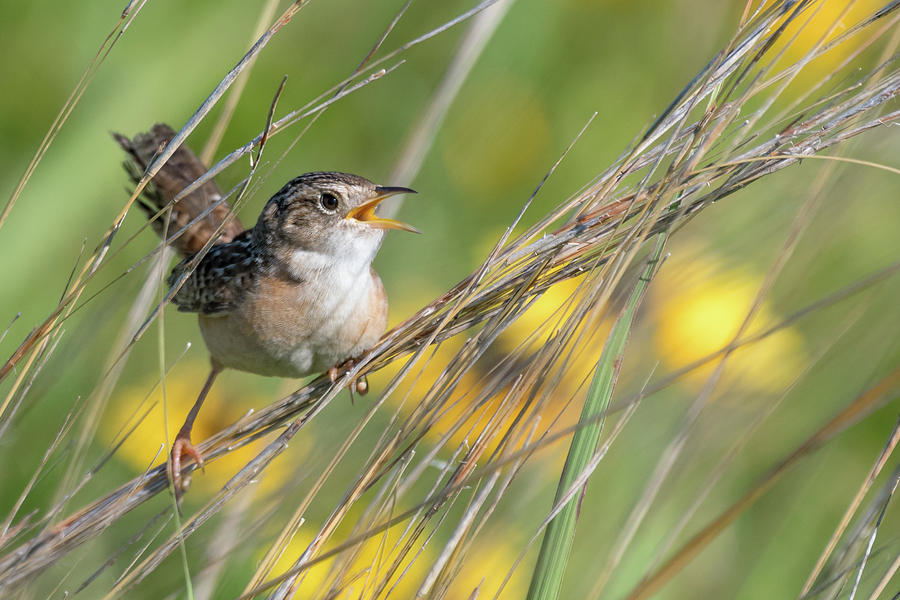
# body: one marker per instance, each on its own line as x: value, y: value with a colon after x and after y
x: 365, y: 212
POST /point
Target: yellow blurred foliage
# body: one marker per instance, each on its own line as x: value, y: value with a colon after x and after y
x: 369, y: 565
x: 422, y: 377
x: 700, y: 305
x: 486, y: 565
x: 814, y: 28
x: 223, y: 406
x: 493, y: 417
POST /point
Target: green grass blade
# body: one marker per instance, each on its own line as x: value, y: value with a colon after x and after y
x: 546, y: 580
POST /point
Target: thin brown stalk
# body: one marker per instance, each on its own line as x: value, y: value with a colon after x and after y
x: 853, y: 412
x: 234, y: 96
x: 852, y: 509
x: 700, y: 150
x: 129, y: 13
x: 423, y: 133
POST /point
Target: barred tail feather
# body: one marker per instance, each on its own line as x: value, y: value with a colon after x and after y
x: 182, y: 169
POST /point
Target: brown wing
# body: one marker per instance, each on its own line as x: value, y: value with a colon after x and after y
x: 221, y: 278
x: 182, y: 169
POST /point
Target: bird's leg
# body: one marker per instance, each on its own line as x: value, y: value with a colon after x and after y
x: 182, y: 445
x: 360, y: 384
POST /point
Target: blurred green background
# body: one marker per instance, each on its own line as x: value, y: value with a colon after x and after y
x: 549, y: 66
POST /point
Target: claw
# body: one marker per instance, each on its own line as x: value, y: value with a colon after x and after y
x: 360, y: 385
x: 335, y: 372
x: 181, y: 447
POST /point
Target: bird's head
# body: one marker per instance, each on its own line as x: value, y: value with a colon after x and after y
x: 328, y: 214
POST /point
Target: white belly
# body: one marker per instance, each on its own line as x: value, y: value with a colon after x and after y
x: 292, y: 330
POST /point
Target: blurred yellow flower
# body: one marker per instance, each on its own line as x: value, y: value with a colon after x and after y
x: 223, y: 406
x: 700, y: 305
x: 369, y: 566
x: 484, y: 568
x: 526, y: 335
x: 815, y: 27
x: 423, y: 376
x: 487, y: 565
x: 545, y: 316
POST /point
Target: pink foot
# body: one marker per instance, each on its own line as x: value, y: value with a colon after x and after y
x: 360, y: 384
x: 180, y: 448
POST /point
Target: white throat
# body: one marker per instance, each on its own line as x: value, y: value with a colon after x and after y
x: 340, y: 262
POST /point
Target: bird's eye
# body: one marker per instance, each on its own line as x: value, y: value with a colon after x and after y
x: 329, y: 202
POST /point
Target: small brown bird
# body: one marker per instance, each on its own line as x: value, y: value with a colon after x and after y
x: 292, y: 296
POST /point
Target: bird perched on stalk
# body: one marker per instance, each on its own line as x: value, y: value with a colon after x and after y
x: 291, y: 296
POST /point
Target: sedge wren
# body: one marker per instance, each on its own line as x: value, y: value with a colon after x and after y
x: 294, y: 295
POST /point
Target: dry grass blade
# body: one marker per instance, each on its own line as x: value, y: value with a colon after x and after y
x: 129, y: 13
x: 670, y: 455
x: 853, y: 508
x: 423, y: 134
x: 215, y: 138
x: 316, y: 106
x: 718, y: 136
x: 95, y: 261
x: 891, y: 488
x: 731, y: 454
x: 855, y: 411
